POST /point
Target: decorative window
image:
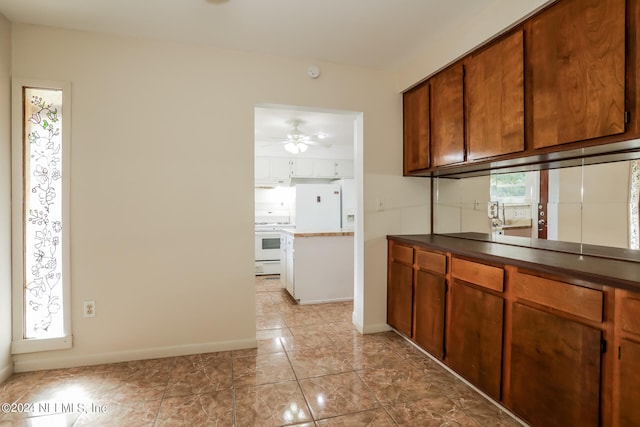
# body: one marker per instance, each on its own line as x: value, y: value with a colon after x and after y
x: 634, y: 206
x: 40, y: 217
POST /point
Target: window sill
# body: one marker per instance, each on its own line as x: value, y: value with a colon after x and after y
x: 36, y: 345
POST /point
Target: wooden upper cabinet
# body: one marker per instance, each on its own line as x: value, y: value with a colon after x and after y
x: 416, y: 128
x: 447, y: 116
x: 576, y: 71
x: 495, y: 99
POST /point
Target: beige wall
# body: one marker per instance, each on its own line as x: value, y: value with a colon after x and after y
x: 162, y: 186
x: 5, y: 199
x: 162, y: 153
x: 493, y: 20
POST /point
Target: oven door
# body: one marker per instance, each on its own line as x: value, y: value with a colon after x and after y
x: 267, y: 246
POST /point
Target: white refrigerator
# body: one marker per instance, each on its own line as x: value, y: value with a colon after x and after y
x: 318, y: 207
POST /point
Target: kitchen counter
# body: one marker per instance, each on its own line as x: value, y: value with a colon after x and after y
x: 317, y: 233
x: 618, y: 268
x: 318, y: 265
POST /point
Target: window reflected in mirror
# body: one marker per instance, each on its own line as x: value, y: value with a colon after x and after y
x: 594, y: 204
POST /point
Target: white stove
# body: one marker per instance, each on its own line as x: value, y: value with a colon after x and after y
x: 267, y: 244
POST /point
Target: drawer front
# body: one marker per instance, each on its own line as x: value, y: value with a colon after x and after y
x: 572, y: 299
x: 402, y: 254
x: 483, y: 275
x: 431, y: 261
x: 631, y: 315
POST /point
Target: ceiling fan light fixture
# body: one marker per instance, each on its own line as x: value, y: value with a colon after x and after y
x: 295, y: 147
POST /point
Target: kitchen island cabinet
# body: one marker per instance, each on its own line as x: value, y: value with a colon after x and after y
x: 551, y: 335
x: 319, y: 266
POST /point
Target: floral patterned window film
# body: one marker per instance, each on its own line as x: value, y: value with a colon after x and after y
x: 634, y: 206
x: 42, y: 213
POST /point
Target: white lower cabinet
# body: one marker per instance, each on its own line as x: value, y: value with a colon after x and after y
x: 319, y: 268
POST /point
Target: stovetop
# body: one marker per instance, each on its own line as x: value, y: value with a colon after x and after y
x: 274, y: 226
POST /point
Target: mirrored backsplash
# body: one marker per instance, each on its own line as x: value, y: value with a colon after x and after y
x: 593, y: 204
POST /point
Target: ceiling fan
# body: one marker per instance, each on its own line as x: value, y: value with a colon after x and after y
x: 297, y: 141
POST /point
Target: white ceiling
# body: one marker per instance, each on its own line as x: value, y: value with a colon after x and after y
x: 370, y: 33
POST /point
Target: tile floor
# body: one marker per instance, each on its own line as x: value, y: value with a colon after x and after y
x: 311, y: 368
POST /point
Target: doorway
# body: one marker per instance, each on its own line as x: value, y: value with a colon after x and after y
x: 301, y: 145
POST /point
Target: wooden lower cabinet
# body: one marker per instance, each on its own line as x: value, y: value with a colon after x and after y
x: 429, y: 312
x: 627, y: 381
x: 400, y: 298
x: 555, y: 349
x: 474, y: 346
x: 629, y: 360
x: 400, y: 288
x: 555, y: 369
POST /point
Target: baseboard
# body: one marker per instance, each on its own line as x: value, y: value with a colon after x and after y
x: 372, y: 329
x: 325, y: 301
x: 5, y: 372
x: 45, y: 362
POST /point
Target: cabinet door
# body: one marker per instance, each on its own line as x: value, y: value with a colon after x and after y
x: 400, y: 297
x: 447, y: 117
x: 302, y: 168
x: 416, y: 128
x: 555, y: 369
x: 474, y: 347
x: 325, y: 168
x: 283, y: 261
x: 429, y: 312
x: 495, y: 99
x: 629, y: 414
x: 262, y: 170
x: 577, y: 71
x: 280, y: 168
x: 344, y: 168
x: 290, y: 266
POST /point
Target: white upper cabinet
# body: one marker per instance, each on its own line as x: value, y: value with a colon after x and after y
x: 344, y: 168
x: 303, y: 168
x: 272, y: 170
x: 280, y: 170
x: 325, y: 168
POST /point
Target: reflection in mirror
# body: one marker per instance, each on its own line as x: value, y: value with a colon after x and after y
x: 594, y: 204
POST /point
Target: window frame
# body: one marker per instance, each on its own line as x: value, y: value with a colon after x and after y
x: 19, y: 343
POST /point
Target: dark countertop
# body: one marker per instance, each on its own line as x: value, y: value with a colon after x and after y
x: 550, y: 257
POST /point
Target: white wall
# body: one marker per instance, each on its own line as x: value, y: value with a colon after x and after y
x: 593, y: 204
x: 6, y: 365
x: 162, y: 186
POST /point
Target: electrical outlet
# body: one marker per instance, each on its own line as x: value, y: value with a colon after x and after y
x: 90, y: 308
